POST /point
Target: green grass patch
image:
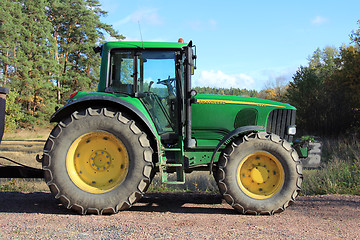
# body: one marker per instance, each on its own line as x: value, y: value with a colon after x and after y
x: 23, y: 185
x: 26, y: 134
x: 339, y: 172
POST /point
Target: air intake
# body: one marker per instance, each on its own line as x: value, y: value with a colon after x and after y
x: 278, y: 122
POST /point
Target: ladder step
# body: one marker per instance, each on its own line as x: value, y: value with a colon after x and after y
x: 179, y: 171
x: 174, y: 182
x: 172, y: 149
x: 171, y: 165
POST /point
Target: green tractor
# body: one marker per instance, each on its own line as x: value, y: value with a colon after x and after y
x: 145, y: 118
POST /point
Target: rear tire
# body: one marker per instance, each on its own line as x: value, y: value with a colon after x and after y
x: 259, y: 174
x: 97, y: 161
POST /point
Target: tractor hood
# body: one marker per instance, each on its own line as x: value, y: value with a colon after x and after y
x: 214, y: 116
x: 239, y: 100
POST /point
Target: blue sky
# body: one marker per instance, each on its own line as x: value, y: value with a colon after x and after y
x: 241, y: 44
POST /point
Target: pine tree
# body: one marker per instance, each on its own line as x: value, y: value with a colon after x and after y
x: 76, y: 29
x: 10, y: 29
x: 26, y: 47
x: 35, y: 59
x: 46, y: 52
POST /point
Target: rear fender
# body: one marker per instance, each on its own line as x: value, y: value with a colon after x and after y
x: 103, y: 101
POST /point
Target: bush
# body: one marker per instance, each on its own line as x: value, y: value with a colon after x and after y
x: 340, y: 172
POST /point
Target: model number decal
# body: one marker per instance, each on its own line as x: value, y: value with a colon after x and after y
x: 210, y: 101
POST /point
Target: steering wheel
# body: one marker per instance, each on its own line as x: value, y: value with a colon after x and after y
x: 168, y: 83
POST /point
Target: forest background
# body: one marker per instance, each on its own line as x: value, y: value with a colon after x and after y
x: 46, y: 54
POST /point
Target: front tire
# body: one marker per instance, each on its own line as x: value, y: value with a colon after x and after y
x: 259, y: 174
x: 97, y: 161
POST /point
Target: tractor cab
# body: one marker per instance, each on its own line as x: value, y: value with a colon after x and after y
x: 156, y: 76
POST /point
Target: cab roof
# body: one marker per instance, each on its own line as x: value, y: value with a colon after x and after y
x: 144, y: 45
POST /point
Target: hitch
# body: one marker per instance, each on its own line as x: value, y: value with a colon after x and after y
x: 21, y: 171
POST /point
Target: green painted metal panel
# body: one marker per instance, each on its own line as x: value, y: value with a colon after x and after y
x: 200, y: 157
x: 213, y: 116
x: 141, y: 45
x: 134, y: 101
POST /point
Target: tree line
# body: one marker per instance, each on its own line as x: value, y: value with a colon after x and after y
x: 46, y: 53
x: 326, y: 92
x: 227, y: 91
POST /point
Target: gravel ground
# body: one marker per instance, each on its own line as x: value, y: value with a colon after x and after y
x: 179, y: 216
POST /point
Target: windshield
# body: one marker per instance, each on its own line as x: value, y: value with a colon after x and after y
x: 157, y: 70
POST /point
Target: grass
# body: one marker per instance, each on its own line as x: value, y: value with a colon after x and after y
x: 23, y: 151
x: 23, y: 185
x: 25, y: 134
x: 340, y: 170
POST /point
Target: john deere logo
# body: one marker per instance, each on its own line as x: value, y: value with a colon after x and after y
x: 207, y: 101
x: 211, y: 101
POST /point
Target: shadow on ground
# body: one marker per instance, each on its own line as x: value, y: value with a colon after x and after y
x: 189, y: 202
x: 44, y: 203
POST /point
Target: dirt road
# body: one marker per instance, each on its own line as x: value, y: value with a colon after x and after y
x: 179, y: 216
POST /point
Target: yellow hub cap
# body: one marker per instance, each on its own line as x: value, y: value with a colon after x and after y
x: 260, y: 175
x: 97, y: 162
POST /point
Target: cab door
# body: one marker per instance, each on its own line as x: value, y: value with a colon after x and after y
x: 158, y: 83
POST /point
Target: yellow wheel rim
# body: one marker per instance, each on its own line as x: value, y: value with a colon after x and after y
x: 97, y: 162
x: 260, y: 175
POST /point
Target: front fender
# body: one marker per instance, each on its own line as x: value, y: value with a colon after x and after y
x: 235, y: 132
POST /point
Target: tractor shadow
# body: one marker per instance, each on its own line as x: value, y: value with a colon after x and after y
x: 44, y: 203
x: 188, y: 202
x: 35, y: 202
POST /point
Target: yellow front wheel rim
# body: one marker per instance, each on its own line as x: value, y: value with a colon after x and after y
x: 97, y: 162
x: 260, y: 175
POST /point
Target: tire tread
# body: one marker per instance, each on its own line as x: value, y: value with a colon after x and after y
x: 224, y: 159
x: 147, y: 153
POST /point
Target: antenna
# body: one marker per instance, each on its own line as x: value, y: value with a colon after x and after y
x: 141, y: 35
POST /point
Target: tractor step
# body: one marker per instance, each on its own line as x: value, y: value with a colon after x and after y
x: 179, y: 170
x: 177, y: 167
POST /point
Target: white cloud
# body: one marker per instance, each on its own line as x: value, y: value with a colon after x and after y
x: 144, y: 16
x: 319, y: 20
x: 220, y: 79
x: 266, y: 77
x: 200, y: 25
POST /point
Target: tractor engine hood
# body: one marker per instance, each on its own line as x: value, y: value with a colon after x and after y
x: 214, y: 116
x: 239, y: 100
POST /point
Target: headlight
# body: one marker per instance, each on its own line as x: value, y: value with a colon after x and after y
x: 291, y: 130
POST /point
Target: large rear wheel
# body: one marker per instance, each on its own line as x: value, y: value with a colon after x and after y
x: 97, y: 161
x: 259, y: 174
